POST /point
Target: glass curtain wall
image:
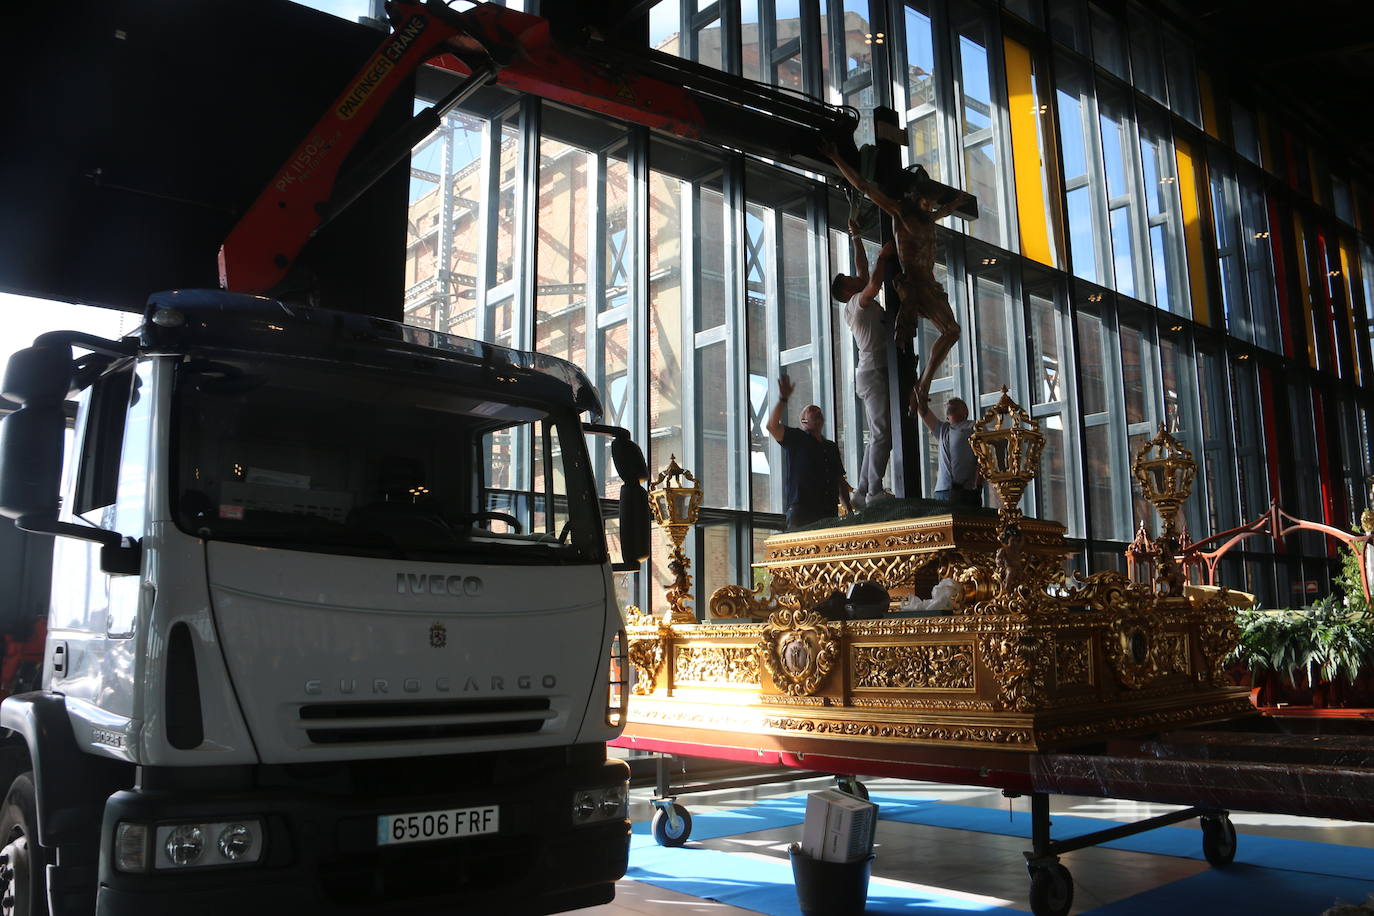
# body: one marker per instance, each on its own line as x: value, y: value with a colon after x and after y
x: 685, y: 279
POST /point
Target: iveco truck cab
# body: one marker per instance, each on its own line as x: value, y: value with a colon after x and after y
x: 333, y: 626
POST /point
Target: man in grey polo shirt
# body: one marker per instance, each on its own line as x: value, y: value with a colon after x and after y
x: 958, y: 480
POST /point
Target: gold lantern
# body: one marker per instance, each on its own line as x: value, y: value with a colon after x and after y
x: 1007, y: 444
x: 675, y: 506
x: 1165, y: 470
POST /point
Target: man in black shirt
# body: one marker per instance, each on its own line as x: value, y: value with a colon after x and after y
x: 813, y: 475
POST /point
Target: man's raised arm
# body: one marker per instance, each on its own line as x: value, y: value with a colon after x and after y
x: 875, y: 282
x: 775, y: 425
x: 856, y: 242
x: 920, y: 403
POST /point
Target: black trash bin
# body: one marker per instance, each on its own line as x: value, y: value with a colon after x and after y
x: 830, y: 888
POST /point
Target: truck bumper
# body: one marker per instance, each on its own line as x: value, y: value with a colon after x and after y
x: 320, y: 852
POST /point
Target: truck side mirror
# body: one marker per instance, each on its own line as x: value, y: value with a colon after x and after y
x: 634, y: 503
x: 31, y: 461
x: 37, y: 378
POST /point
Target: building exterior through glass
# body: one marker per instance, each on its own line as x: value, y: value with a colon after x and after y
x: 1156, y: 245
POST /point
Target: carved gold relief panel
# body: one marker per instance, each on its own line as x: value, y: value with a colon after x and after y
x: 1073, y: 662
x: 1173, y: 650
x: 718, y: 665
x: 929, y: 667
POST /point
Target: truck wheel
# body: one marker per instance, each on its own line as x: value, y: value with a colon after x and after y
x: 25, y: 862
x: 666, y: 833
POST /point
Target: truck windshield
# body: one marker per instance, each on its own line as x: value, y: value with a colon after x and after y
x: 309, y: 456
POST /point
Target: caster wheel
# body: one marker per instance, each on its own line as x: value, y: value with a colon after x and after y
x: 1051, y: 890
x: 666, y: 833
x: 851, y: 786
x: 1218, y: 839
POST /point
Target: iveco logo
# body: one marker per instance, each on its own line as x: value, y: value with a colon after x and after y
x: 420, y: 584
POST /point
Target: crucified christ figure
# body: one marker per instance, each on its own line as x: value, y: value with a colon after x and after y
x: 918, y: 292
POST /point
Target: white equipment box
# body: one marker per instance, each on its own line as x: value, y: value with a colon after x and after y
x: 838, y: 826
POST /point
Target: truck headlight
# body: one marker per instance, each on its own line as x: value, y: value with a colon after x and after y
x: 185, y: 844
x: 236, y: 841
x: 605, y: 803
x: 612, y: 802
x: 202, y: 845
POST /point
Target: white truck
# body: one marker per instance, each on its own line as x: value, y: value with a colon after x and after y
x: 333, y: 625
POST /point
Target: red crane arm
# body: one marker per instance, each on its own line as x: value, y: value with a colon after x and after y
x: 518, y: 50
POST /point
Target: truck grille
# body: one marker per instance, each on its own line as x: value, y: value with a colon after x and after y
x: 420, y: 720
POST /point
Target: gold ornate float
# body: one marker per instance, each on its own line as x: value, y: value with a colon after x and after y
x: 1027, y: 659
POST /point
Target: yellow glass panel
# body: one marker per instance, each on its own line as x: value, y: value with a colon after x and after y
x: 1032, y: 210
x: 1209, y: 104
x: 1190, y: 184
x: 1305, y: 291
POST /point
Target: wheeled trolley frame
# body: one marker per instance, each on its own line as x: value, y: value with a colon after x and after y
x: 1303, y: 767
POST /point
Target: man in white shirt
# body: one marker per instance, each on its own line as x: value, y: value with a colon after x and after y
x: 958, y: 480
x: 866, y: 321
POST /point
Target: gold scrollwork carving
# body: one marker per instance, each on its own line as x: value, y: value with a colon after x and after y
x: 941, y: 667
x: 968, y: 734
x: 738, y: 601
x: 924, y: 703
x: 849, y: 546
x: 646, y: 655
x: 1014, y: 656
x: 787, y: 553
x: 799, y: 649
x: 1106, y: 591
x: 915, y: 539
x: 715, y: 664
x: 785, y: 700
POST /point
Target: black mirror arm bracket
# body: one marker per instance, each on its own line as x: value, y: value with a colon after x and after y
x: 119, y: 555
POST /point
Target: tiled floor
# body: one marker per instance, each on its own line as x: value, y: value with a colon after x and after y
x: 988, y: 867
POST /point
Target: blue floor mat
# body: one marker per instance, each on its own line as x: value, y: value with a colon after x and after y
x: 766, y: 886
x: 1242, y: 889
x: 1185, y: 842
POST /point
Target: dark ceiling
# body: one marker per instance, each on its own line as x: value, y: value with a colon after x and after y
x: 1310, y: 63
